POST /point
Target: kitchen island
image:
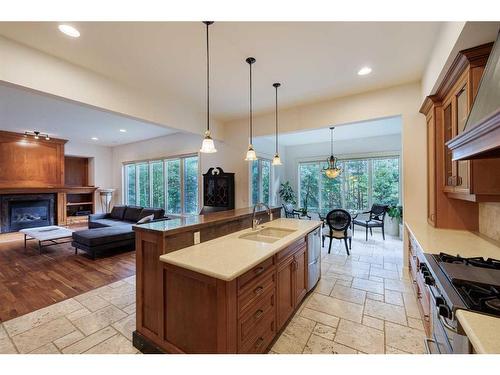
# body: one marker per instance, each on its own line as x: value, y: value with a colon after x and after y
x: 229, y: 294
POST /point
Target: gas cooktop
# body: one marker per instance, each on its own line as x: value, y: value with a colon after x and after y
x: 476, y: 280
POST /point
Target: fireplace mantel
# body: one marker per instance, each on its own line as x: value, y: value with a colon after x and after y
x: 62, y: 189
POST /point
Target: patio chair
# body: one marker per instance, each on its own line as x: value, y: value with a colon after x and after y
x: 375, y: 219
x: 338, y: 221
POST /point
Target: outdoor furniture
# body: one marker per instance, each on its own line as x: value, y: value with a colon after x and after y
x: 292, y: 213
x: 375, y: 219
x: 338, y: 222
x: 46, y: 236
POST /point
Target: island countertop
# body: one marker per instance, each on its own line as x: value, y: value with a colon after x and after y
x: 181, y: 223
x: 228, y: 257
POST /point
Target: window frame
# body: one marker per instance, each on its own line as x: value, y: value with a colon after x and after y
x: 261, y: 191
x: 163, y: 160
x: 343, y: 159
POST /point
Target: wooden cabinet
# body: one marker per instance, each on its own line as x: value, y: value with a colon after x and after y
x: 455, y: 187
x: 196, y: 313
x: 415, y: 258
x: 286, y: 290
x: 292, y: 280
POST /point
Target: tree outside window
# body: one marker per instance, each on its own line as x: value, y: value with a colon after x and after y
x: 170, y: 183
x: 260, y: 181
x: 362, y: 183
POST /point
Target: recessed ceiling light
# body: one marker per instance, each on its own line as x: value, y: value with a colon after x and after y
x: 69, y: 30
x: 364, y: 71
x: 95, y: 138
x: 123, y: 130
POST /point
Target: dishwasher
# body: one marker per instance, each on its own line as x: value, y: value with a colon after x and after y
x: 314, y: 257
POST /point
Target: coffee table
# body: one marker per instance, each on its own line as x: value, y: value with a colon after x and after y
x: 51, y: 234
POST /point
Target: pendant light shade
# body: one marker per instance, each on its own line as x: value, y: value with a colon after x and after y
x: 208, y: 146
x: 332, y: 171
x: 276, y: 158
x: 251, y: 152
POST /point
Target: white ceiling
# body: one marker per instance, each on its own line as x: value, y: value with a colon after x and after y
x: 22, y: 110
x: 365, y: 129
x: 313, y: 60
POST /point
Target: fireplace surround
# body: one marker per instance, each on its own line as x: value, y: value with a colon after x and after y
x: 19, y: 211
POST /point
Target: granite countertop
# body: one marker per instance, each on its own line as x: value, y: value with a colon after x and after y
x: 180, y: 222
x: 482, y: 330
x: 228, y: 257
x: 462, y: 242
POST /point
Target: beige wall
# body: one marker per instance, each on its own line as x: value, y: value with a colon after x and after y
x: 401, y: 100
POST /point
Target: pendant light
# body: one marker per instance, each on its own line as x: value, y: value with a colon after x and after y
x: 332, y: 171
x: 208, y: 146
x: 276, y: 158
x: 251, y: 152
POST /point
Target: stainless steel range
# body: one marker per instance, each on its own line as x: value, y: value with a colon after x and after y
x: 458, y: 283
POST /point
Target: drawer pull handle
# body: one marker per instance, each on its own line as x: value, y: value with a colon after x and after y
x: 259, y: 342
x: 259, y: 270
x: 258, y: 290
x: 258, y: 314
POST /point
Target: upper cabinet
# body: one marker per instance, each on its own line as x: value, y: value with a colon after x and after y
x: 454, y: 186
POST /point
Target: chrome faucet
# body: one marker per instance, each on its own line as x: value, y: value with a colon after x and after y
x: 256, y: 222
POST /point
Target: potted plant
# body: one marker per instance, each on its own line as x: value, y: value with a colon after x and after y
x: 287, y: 194
x: 392, y: 226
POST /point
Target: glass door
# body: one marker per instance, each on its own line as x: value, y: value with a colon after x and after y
x: 449, y: 178
x: 462, y: 110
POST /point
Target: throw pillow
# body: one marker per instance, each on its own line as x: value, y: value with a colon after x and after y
x: 146, y: 219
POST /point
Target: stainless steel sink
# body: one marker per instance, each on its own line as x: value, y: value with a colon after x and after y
x: 268, y: 235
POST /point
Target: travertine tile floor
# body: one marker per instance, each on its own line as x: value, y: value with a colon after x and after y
x: 363, y: 304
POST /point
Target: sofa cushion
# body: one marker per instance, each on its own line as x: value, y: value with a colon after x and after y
x: 100, y: 236
x: 157, y: 212
x: 132, y: 213
x: 109, y: 223
x: 117, y: 212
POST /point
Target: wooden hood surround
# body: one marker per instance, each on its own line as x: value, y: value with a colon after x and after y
x: 481, y: 138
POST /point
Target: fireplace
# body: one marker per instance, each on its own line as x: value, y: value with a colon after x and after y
x: 26, y: 211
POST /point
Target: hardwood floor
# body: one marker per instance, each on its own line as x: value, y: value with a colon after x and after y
x: 29, y: 281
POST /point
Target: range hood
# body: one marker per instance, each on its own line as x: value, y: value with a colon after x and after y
x: 481, y: 138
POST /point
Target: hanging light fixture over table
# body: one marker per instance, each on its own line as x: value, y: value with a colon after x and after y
x: 276, y: 158
x: 251, y: 152
x: 332, y: 171
x: 208, y: 146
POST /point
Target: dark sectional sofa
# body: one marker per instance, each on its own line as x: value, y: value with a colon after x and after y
x: 113, y: 232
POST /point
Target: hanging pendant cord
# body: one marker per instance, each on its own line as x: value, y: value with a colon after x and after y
x: 276, y: 117
x: 208, y: 83
x: 331, y: 143
x: 251, y: 122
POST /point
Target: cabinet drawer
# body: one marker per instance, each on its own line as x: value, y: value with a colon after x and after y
x: 283, y: 254
x: 254, y: 290
x: 255, y: 272
x: 257, y: 318
x: 260, y: 338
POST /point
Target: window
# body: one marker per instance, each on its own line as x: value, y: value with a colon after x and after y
x: 169, y: 183
x: 260, y: 181
x: 362, y: 183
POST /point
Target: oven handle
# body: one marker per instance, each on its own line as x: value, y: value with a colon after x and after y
x: 427, y: 346
x: 446, y: 324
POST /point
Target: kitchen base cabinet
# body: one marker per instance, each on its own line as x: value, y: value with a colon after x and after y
x: 415, y: 260
x: 203, y: 314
